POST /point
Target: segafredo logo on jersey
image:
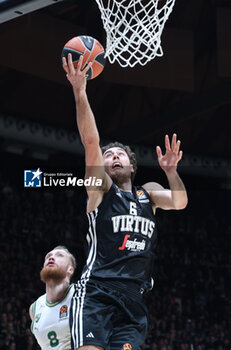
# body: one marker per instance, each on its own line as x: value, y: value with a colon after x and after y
x: 37, y: 178
x: 134, y: 246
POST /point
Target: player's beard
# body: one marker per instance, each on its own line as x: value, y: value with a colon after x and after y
x: 120, y: 177
x: 56, y: 274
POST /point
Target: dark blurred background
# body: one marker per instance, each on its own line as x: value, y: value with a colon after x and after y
x: 187, y: 91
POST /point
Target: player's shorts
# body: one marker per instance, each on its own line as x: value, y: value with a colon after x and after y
x: 111, y: 318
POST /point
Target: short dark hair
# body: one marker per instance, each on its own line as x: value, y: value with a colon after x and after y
x: 127, y: 149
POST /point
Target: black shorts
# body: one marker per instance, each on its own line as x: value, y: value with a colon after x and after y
x: 106, y: 317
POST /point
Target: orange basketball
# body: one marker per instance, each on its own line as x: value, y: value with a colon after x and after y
x: 91, y: 50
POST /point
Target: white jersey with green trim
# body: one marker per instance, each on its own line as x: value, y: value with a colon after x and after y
x: 50, y: 324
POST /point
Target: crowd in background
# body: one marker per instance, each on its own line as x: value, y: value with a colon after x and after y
x: 190, y: 305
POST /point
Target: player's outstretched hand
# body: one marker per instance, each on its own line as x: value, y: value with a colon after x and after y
x: 168, y: 161
x: 76, y: 77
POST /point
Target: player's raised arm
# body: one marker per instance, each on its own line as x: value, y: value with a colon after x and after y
x: 86, y: 123
x: 176, y: 197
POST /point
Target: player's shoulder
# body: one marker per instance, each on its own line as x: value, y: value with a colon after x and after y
x: 41, y: 299
x: 71, y: 289
x: 31, y: 311
x: 68, y: 294
x: 36, y: 304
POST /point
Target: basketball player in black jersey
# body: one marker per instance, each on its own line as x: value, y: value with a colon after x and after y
x: 107, y: 309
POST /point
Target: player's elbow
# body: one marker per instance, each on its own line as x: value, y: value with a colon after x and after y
x: 90, y: 141
x: 182, y: 204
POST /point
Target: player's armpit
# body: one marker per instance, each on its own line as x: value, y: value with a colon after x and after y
x: 161, y: 197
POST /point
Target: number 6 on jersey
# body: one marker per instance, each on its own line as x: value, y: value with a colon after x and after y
x: 133, y: 210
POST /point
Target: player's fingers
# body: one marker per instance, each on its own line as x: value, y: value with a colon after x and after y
x: 167, y: 143
x: 173, y: 145
x: 177, y: 148
x: 158, y: 152
x: 70, y: 64
x: 79, y: 65
x: 180, y: 155
x: 65, y: 66
x: 88, y: 66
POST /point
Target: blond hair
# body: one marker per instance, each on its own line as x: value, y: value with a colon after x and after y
x: 72, y: 258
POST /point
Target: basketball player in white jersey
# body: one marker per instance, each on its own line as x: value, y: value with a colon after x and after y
x: 50, y: 312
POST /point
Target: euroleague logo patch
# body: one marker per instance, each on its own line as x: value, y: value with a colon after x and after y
x: 140, y: 193
x: 127, y: 346
x: 63, y: 313
x: 142, y: 197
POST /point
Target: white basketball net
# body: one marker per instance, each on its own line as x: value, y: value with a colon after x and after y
x: 134, y: 29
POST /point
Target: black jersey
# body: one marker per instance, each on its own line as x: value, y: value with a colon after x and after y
x: 121, y: 238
